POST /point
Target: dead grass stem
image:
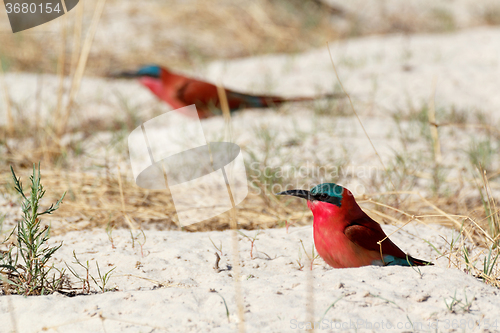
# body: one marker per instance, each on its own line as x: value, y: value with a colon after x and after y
x: 80, y: 69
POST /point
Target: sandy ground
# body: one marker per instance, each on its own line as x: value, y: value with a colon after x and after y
x: 170, y: 284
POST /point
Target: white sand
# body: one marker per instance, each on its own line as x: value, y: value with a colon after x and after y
x: 383, y: 74
x: 274, y: 288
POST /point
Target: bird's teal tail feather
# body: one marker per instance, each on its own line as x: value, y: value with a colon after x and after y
x: 395, y: 261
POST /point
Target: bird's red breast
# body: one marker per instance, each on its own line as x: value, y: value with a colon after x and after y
x: 153, y: 84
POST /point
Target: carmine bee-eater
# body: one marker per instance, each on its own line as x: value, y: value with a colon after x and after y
x: 344, y: 235
x: 180, y: 91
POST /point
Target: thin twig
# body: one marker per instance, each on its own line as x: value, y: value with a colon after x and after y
x: 433, y: 125
x: 77, y: 78
x: 234, y: 223
x: 359, y: 119
x: 61, y: 60
x: 10, y: 118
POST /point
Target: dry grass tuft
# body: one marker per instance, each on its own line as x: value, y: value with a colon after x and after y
x: 190, y: 33
x: 95, y: 200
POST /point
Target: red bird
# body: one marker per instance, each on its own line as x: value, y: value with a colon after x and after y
x: 180, y: 91
x: 344, y: 235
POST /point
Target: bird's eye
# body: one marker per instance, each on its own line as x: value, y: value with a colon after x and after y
x: 323, y: 196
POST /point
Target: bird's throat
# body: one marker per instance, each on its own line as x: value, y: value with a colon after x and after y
x: 154, y: 84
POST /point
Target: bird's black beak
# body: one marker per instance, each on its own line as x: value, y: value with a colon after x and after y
x: 124, y: 75
x: 304, y: 194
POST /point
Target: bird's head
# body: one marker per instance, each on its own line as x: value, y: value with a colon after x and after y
x: 326, y: 198
x: 150, y: 76
x: 326, y: 192
x: 152, y: 71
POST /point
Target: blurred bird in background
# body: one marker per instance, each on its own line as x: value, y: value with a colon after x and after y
x: 180, y: 91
